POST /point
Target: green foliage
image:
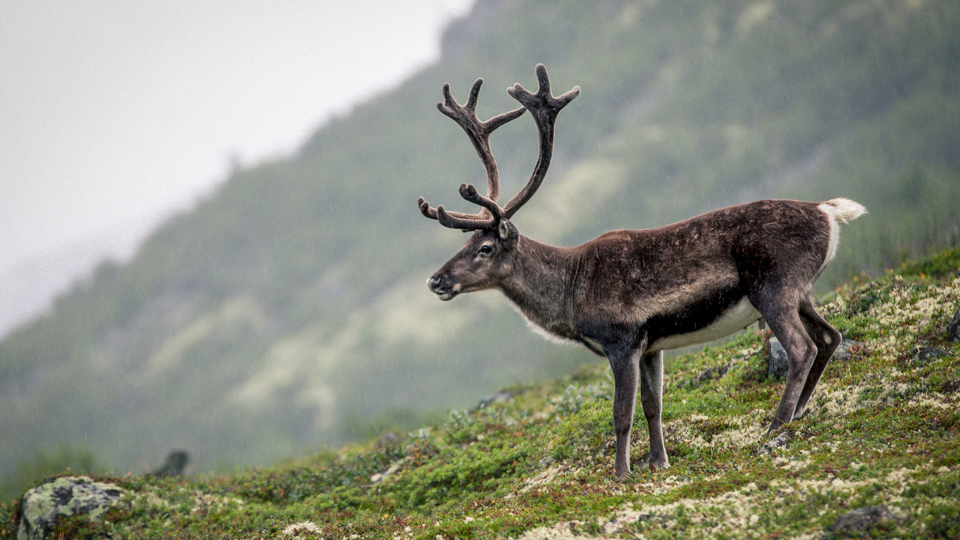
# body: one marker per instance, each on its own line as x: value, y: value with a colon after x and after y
x: 941, y: 264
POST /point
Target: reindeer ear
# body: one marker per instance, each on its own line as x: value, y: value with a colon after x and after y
x: 508, y: 234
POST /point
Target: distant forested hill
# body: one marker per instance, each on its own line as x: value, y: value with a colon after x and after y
x: 288, y: 311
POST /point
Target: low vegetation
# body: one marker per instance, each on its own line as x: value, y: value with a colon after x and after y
x: 536, y: 461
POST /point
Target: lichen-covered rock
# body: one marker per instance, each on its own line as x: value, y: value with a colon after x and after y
x: 43, y: 505
x: 847, y: 349
x: 776, y: 360
x: 862, y: 519
x: 921, y: 356
x: 780, y: 441
x: 953, y: 329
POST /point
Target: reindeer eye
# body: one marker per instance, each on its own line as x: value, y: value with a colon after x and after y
x: 485, y: 250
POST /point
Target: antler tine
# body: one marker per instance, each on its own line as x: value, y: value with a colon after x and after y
x: 431, y: 212
x: 464, y: 222
x: 502, y: 119
x: 479, y: 134
x: 469, y: 193
x: 544, y: 108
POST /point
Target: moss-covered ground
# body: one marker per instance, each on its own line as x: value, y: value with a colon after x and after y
x: 883, y: 429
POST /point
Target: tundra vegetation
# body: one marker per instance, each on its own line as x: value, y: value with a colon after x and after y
x: 537, y: 461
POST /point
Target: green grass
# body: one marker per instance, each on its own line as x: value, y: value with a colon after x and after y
x: 882, y: 429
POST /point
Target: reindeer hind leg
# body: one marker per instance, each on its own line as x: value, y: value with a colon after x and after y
x: 827, y: 339
x: 781, y: 311
x: 651, y: 397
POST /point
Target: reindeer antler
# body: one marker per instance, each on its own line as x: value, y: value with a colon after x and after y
x: 479, y: 134
x: 544, y: 108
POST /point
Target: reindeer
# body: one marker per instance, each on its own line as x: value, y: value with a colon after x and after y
x: 629, y: 295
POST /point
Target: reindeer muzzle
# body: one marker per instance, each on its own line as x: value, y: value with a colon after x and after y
x: 444, y: 287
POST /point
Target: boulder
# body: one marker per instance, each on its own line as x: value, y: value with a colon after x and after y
x: 953, y: 329
x: 921, y: 356
x: 846, y: 350
x: 175, y: 464
x: 776, y: 359
x: 67, y: 496
x: 501, y: 397
x: 780, y: 441
x: 861, y: 519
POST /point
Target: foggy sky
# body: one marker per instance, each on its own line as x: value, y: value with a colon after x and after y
x: 113, y: 114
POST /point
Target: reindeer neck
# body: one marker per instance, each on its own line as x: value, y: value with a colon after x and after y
x: 541, y: 282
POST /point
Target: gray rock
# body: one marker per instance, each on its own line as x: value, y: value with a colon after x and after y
x: 862, y: 519
x: 780, y: 441
x: 175, y: 464
x: 922, y: 356
x: 495, y: 398
x: 846, y: 350
x: 953, y: 329
x: 776, y: 359
x: 43, y: 505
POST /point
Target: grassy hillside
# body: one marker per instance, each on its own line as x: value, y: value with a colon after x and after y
x: 538, y: 461
x: 288, y: 310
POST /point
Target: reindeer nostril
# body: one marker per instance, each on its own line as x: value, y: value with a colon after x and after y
x: 435, y: 283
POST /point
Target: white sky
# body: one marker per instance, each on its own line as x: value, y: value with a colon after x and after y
x: 115, y: 113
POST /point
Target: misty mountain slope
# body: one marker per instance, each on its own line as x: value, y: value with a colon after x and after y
x: 288, y: 311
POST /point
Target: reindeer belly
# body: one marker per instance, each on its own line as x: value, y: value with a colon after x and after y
x: 701, y: 323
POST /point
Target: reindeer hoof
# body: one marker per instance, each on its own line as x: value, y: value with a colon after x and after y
x: 656, y: 463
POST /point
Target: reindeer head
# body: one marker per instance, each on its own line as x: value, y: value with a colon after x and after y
x: 487, y: 256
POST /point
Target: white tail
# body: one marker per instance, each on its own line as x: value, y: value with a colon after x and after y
x: 843, y: 210
x: 839, y: 210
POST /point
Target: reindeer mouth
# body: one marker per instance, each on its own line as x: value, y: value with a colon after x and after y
x: 448, y: 295
x: 443, y: 288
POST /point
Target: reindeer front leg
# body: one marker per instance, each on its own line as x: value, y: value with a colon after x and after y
x: 625, y: 372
